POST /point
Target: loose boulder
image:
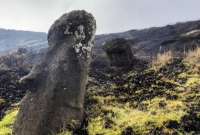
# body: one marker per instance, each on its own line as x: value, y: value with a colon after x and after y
x: 119, y: 52
x: 57, y: 84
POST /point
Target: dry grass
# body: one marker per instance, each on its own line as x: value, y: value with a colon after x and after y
x: 193, y: 57
x: 162, y: 59
x: 193, y: 54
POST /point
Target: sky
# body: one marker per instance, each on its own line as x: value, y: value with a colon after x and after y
x: 111, y: 15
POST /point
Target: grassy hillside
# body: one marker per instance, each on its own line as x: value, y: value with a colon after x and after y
x: 162, y: 99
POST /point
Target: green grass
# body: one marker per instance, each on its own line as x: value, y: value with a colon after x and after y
x: 156, y: 111
x: 123, y: 116
x: 2, y: 101
x: 66, y: 133
x: 7, y: 122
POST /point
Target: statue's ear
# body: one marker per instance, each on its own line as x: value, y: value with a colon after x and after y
x: 29, y: 81
x: 26, y: 79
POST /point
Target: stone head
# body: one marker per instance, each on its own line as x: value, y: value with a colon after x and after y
x: 78, y: 24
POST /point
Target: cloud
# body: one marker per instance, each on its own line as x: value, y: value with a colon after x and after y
x: 111, y: 15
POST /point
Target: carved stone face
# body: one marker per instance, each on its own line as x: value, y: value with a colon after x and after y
x: 81, y: 27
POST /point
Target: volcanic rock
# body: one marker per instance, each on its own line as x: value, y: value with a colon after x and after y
x: 55, y: 100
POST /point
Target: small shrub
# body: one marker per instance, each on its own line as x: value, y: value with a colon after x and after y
x: 192, y: 59
x: 193, y: 55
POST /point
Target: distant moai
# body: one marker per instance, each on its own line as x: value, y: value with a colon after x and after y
x: 57, y: 84
x: 119, y: 52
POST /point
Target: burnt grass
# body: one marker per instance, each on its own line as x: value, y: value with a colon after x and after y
x: 136, y: 86
x: 10, y: 90
x: 131, y: 85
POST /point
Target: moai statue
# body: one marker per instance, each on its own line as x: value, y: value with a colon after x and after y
x: 57, y: 85
x: 119, y: 52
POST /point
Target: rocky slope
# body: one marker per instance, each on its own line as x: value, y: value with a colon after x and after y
x: 148, y: 42
x: 11, y: 40
x: 145, y: 43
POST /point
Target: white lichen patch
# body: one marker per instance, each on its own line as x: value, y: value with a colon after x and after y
x: 83, y: 50
x: 80, y: 34
x: 78, y: 47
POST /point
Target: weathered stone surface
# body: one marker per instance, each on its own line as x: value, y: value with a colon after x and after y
x: 119, y: 52
x: 56, y: 97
